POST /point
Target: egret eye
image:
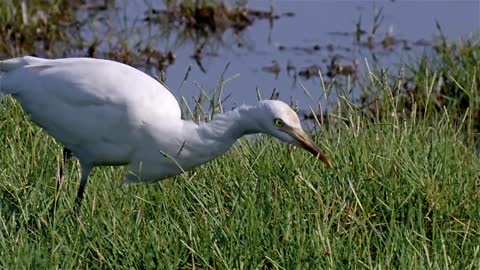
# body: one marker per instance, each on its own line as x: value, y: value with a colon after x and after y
x: 278, y: 122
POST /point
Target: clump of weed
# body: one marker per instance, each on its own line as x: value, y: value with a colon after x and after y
x: 448, y: 79
x: 35, y: 27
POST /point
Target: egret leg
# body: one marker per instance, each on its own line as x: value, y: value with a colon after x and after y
x: 67, y: 155
x: 85, y: 172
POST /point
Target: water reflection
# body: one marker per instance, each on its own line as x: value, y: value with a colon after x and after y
x: 271, y: 46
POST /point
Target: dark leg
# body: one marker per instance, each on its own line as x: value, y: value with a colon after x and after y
x: 86, y: 168
x: 67, y: 155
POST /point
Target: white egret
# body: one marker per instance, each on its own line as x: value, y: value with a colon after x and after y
x: 108, y: 113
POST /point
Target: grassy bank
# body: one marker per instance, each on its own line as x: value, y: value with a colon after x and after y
x: 404, y: 193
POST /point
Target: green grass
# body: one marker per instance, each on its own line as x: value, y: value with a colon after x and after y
x: 403, y: 194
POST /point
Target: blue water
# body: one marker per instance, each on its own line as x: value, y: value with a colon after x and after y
x: 315, y: 23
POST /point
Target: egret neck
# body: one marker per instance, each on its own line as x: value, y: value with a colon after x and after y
x: 209, y: 140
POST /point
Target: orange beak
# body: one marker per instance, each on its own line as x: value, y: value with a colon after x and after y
x: 302, y: 140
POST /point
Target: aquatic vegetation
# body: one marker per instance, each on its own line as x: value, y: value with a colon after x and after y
x: 446, y: 80
x: 36, y: 27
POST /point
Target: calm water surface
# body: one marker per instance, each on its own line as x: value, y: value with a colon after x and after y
x: 318, y: 31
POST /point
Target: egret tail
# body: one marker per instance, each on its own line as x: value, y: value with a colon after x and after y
x: 13, y: 64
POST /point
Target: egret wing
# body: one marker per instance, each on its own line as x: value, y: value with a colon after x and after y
x: 81, y: 100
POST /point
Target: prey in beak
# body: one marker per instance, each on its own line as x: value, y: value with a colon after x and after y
x: 302, y: 140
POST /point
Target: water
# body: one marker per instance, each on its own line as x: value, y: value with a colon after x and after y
x: 318, y: 31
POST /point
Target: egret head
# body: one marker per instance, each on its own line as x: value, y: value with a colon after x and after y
x: 280, y: 121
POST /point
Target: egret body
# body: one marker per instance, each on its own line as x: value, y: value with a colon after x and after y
x: 108, y: 113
